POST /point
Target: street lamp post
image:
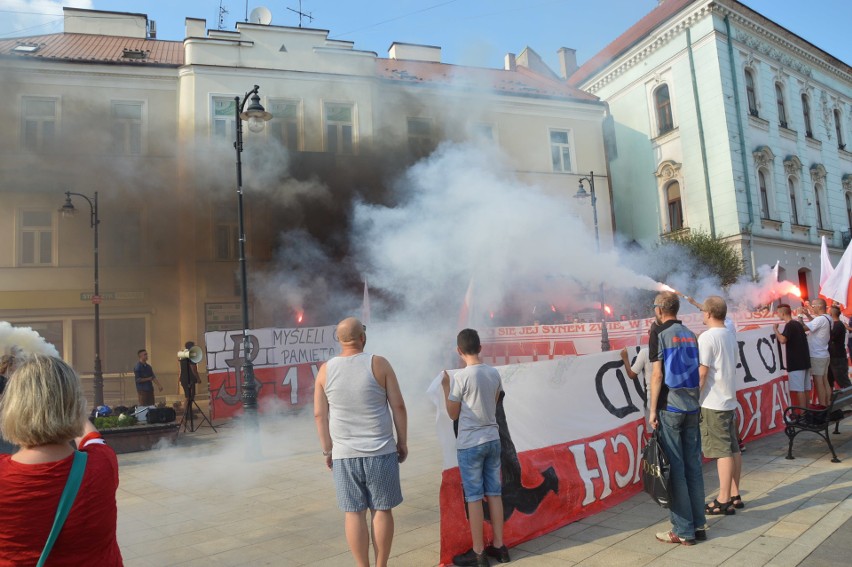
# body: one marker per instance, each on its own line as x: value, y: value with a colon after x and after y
x: 67, y: 210
x: 256, y: 115
x: 582, y: 194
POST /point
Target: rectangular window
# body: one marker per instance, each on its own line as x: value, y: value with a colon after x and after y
x: 339, y: 128
x: 226, y: 233
x: 126, y: 250
x: 420, y: 138
x: 224, y: 121
x: 39, y: 123
x: 560, y: 150
x: 127, y: 127
x: 35, y: 238
x: 779, y: 101
x: 284, y: 125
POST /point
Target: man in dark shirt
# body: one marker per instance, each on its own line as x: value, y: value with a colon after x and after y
x: 145, y: 379
x: 838, y: 366
x: 795, y: 342
x: 674, y: 408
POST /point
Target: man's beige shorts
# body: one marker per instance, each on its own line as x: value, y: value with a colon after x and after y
x: 719, y: 433
x: 819, y: 366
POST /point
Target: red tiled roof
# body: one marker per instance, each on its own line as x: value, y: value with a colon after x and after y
x: 521, y: 81
x: 96, y: 49
x: 635, y: 33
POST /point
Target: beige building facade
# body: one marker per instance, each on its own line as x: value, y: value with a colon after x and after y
x: 149, y: 125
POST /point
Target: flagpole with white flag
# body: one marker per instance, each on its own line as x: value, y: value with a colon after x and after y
x: 365, y: 305
x: 837, y: 286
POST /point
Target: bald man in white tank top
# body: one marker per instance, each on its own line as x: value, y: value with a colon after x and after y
x: 357, y: 406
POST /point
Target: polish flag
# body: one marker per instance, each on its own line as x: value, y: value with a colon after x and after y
x: 837, y: 286
x: 365, y: 305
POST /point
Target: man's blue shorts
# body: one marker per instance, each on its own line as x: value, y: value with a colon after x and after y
x: 480, y: 471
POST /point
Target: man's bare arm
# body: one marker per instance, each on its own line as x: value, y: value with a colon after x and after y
x: 781, y: 338
x: 453, y: 408
x: 397, y: 405
x: 321, y: 415
x: 702, y: 376
x: 626, y: 360
x: 656, y: 386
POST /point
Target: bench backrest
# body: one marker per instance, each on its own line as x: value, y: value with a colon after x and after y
x: 841, y: 398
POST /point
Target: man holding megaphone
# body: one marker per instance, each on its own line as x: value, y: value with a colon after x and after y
x: 189, y: 358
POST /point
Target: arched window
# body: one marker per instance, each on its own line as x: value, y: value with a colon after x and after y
x: 818, y: 198
x: 751, y: 94
x: 806, y: 113
x: 663, y: 104
x: 794, y: 207
x: 839, y: 130
x: 779, y: 100
x: 764, y: 195
x: 675, y: 206
x: 849, y: 210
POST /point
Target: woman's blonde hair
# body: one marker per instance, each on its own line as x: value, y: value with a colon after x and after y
x: 43, y: 403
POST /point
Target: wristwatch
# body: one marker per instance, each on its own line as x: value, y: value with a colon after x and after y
x: 326, y: 453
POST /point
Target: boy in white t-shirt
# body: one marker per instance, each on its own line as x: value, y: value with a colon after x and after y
x: 717, y: 356
x: 472, y: 400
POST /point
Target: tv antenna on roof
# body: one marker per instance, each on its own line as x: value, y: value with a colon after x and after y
x: 222, y: 12
x: 302, y: 14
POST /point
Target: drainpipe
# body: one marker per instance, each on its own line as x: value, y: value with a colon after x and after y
x: 701, y: 134
x: 741, y: 133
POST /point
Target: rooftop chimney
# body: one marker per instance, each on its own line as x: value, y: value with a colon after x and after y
x: 196, y: 27
x: 509, y: 63
x: 414, y: 52
x: 567, y: 61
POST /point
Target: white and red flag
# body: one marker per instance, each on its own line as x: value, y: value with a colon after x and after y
x: 837, y: 286
x: 825, y: 267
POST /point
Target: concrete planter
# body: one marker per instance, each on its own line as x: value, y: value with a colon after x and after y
x: 139, y: 437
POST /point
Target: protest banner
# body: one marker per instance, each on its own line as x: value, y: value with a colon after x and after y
x: 286, y: 362
x: 576, y: 427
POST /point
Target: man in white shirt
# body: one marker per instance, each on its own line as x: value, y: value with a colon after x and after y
x: 642, y: 366
x: 717, y: 356
x: 819, y: 333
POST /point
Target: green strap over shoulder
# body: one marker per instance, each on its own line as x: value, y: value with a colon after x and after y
x: 75, y: 478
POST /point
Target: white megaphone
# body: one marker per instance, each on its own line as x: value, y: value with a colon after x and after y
x: 194, y: 354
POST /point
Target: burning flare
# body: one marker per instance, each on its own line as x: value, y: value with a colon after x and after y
x: 664, y: 287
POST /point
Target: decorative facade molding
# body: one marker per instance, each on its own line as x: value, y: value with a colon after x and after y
x: 763, y: 156
x: 772, y: 52
x: 792, y: 165
x: 826, y: 114
x: 847, y: 182
x: 667, y: 170
x: 818, y: 173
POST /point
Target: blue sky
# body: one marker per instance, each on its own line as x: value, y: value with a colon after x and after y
x: 476, y: 32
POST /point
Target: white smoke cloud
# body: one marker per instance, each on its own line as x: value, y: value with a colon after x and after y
x: 23, y: 342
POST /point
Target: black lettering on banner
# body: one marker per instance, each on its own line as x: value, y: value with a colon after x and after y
x: 618, y: 412
x: 778, y: 346
x: 764, y: 341
x: 748, y: 376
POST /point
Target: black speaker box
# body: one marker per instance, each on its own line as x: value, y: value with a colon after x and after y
x: 161, y: 415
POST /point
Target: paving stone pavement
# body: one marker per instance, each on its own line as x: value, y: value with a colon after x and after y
x: 205, y: 503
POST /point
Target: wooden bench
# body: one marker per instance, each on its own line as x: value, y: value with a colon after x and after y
x: 798, y: 419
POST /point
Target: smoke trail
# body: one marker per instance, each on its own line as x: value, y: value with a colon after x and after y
x: 23, y: 342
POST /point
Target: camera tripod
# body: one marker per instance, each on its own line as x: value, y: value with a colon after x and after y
x: 189, y: 415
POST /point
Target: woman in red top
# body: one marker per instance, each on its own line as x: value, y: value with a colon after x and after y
x: 42, y: 410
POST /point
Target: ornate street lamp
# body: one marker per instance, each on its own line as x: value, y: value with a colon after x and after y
x: 582, y: 194
x: 68, y: 210
x: 256, y: 116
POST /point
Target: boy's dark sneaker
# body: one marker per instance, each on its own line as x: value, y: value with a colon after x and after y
x: 501, y: 553
x: 700, y: 535
x: 471, y: 559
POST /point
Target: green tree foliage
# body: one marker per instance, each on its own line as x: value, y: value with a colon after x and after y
x: 712, y: 256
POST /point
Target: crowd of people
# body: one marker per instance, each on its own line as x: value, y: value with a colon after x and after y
x: 691, y: 385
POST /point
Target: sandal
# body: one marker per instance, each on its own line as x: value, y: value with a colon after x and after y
x: 737, y: 502
x: 719, y: 509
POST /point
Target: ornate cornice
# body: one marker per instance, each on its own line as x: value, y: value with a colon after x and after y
x: 847, y: 182
x: 669, y: 169
x: 754, y: 36
x: 818, y: 173
x: 763, y: 156
x: 792, y: 165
